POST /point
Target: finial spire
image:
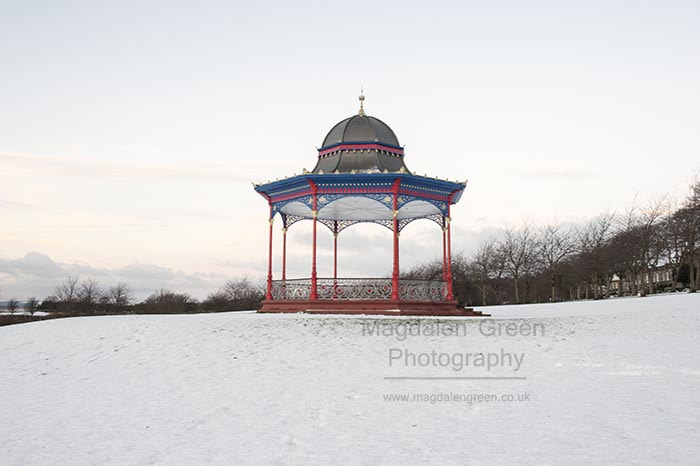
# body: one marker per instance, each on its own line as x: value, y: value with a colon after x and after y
x: 362, y: 101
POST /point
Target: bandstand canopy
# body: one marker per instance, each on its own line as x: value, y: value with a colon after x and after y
x: 358, y: 198
x: 360, y: 176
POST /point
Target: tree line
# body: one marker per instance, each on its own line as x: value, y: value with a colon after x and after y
x: 611, y: 254
x: 74, y: 296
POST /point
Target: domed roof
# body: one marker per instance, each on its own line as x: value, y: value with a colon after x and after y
x: 361, y: 128
x: 360, y: 143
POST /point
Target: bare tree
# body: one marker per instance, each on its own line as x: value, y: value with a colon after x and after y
x: 592, y: 239
x: 622, y: 259
x: 652, y: 239
x: 67, y: 292
x: 643, y: 231
x: 556, y: 244
x: 236, y: 295
x: 119, y: 296
x: 12, y: 305
x: 675, y: 249
x: 518, y: 248
x: 531, y: 266
x: 482, y: 266
x: 167, y: 302
x: 461, y: 279
x: 89, y: 294
x: 31, y: 305
x: 431, y: 270
x: 498, y: 272
x: 687, y: 220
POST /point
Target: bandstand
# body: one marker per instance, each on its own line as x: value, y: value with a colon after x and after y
x: 360, y: 177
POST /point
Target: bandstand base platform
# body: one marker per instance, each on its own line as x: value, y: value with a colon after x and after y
x: 369, y: 307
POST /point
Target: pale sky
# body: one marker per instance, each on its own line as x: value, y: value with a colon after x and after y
x: 130, y: 132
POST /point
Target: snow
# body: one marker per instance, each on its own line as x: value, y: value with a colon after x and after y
x: 22, y: 312
x: 612, y: 381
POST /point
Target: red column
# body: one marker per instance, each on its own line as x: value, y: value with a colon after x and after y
x: 314, y: 213
x: 284, y: 253
x: 444, y: 250
x: 450, y: 293
x: 395, y: 270
x: 335, y: 250
x: 268, y: 294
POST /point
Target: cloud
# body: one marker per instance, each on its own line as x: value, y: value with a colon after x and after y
x: 94, y: 168
x: 146, y: 272
x: 33, y: 264
x: 36, y: 274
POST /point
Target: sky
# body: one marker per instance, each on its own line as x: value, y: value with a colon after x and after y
x: 130, y: 132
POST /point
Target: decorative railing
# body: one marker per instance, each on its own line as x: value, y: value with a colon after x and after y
x: 359, y: 289
x: 291, y: 289
x: 423, y: 290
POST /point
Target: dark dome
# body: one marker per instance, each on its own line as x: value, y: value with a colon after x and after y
x: 360, y: 143
x: 361, y: 128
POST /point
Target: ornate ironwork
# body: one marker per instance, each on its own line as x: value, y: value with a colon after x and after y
x: 422, y: 290
x: 307, y: 200
x: 384, y: 199
x: 405, y: 199
x: 437, y: 218
x: 291, y: 289
x: 289, y: 220
x: 358, y: 289
x: 354, y: 288
x: 340, y: 224
x: 388, y: 223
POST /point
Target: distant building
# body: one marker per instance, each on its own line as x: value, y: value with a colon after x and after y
x: 662, y: 275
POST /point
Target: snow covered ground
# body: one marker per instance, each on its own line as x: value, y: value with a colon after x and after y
x: 22, y: 312
x: 614, y: 382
